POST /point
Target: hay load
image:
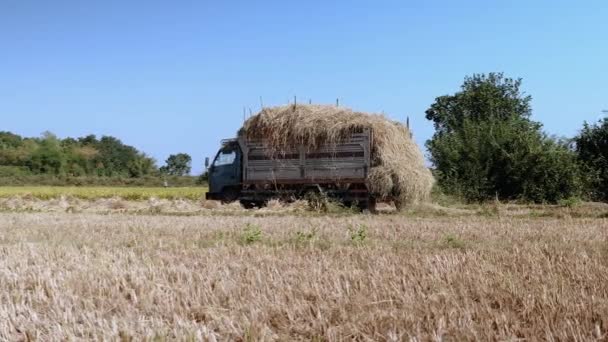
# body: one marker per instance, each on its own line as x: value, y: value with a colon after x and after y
x: 398, y: 169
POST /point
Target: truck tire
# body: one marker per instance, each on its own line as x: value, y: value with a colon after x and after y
x: 229, y: 195
x: 247, y: 204
x: 372, y: 205
x: 368, y: 205
x: 252, y: 204
x: 399, y: 205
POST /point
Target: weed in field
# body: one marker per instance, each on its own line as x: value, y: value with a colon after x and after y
x: 570, y: 202
x: 453, y: 241
x: 305, y: 238
x: 316, y: 201
x: 251, y: 234
x: 358, y: 234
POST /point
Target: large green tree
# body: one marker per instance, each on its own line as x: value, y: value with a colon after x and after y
x: 48, y: 158
x: 485, y: 145
x: 592, y: 150
x: 177, y: 165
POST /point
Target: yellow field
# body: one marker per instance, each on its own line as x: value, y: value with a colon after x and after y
x: 128, y: 193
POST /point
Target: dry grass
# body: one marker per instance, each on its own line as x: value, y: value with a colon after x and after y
x: 387, y: 277
x: 398, y: 165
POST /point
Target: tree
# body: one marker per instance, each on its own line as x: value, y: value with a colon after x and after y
x: 177, y: 165
x: 486, y: 146
x: 481, y: 98
x: 48, y: 158
x: 141, y: 165
x: 84, y: 156
x: 10, y: 144
x: 9, y: 140
x: 591, y: 146
x: 118, y: 159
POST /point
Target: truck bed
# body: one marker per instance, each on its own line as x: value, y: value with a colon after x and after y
x: 348, y: 161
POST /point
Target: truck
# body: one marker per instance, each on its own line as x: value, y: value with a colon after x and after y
x: 249, y: 171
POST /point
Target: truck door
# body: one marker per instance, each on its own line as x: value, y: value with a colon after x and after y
x: 225, y: 174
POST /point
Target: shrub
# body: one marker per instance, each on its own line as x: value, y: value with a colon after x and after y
x: 592, y: 151
x: 486, y: 147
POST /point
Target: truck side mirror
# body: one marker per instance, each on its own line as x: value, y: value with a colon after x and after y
x: 206, y: 162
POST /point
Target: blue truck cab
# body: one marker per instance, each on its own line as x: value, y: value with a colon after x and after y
x: 225, y: 173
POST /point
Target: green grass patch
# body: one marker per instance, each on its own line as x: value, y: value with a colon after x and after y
x: 127, y: 193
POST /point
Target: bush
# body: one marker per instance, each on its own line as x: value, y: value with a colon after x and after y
x: 505, y: 159
x: 592, y: 151
x: 486, y: 147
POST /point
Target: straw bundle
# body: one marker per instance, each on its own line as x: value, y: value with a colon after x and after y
x: 398, y: 168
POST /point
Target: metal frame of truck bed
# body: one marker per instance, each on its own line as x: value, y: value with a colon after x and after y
x: 346, y: 161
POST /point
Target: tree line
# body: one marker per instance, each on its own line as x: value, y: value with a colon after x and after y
x: 88, y: 156
x: 486, y: 146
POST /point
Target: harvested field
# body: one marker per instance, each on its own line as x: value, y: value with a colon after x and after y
x: 285, y: 277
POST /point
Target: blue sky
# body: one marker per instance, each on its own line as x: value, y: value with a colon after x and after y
x: 174, y: 76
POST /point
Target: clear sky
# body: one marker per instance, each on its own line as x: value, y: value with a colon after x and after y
x: 174, y: 76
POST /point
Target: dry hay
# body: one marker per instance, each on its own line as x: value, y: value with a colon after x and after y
x: 398, y: 168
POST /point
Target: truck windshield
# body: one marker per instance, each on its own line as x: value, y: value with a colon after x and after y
x: 225, y: 158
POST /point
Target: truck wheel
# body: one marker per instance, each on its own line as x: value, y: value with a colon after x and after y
x: 253, y: 204
x: 369, y: 205
x: 229, y: 195
x: 399, y: 205
x: 248, y: 204
x: 372, y: 205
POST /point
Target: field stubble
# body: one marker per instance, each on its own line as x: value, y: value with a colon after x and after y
x: 285, y: 277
